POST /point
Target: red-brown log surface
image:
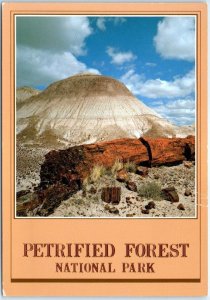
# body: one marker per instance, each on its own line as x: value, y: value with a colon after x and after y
x: 76, y: 162
x: 63, y: 171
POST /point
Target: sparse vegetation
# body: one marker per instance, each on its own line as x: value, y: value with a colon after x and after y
x: 85, y: 183
x: 150, y: 190
x: 130, y: 166
x: 118, y: 165
x: 97, y: 172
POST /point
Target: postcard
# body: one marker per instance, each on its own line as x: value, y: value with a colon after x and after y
x: 104, y: 112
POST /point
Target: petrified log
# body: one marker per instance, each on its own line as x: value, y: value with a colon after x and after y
x: 150, y: 205
x: 143, y: 171
x: 171, y: 151
x: 23, y: 207
x: 122, y: 175
x: 63, y: 171
x: 181, y: 206
x: 75, y: 163
x: 170, y: 194
x: 130, y: 185
x: 22, y: 193
x: 111, y: 195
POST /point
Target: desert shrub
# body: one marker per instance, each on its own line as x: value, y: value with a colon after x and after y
x: 118, y: 165
x: 150, y: 190
x: 130, y: 166
x: 97, y: 172
x: 85, y: 183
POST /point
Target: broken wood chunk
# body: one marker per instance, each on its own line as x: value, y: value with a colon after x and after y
x: 111, y: 195
x: 170, y: 194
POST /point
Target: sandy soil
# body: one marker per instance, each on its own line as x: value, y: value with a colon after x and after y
x: 28, y: 164
x: 88, y: 203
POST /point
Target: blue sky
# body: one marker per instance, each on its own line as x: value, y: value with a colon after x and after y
x: 153, y: 56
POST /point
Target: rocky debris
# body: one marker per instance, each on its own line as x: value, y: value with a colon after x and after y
x: 107, y: 207
x: 130, y: 215
x: 122, y: 175
x: 92, y: 190
x: 91, y: 206
x: 28, y: 164
x: 187, y: 192
x: 128, y: 200
x: 145, y: 211
x: 143, y: 171
x: 170, y: 194
x: 114, y: 210
x: 130, y: 185
x: 188, y: 164
x: 181, y: 206
x: 111, y: 194
x: 156, y: 176
x: 150, y: 205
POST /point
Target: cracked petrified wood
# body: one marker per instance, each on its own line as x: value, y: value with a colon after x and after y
x: 63, y: 171
x: 111, y: 194
x: 75, y: 163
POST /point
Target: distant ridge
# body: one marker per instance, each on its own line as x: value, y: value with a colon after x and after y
x: 24, y: 93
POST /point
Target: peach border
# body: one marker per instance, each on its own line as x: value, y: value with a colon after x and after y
x: 106, y: 288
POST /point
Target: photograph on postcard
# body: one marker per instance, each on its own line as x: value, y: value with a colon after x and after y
x: 105, y: 116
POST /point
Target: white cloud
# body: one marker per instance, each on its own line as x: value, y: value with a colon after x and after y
x: 55, y: 34
x: 181, y: 111
x: 175, y: 38
x: 101, y: 21
x: 150, y: 64
x: 157, y: 88
x: 119, y: 58
x: 182, y: 104
x: 179, y: 107
x: 118, y: 20
x: 41, y: 67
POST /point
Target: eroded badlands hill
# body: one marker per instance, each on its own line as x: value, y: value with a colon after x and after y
x: 88, y: 108
x: 24, y: 93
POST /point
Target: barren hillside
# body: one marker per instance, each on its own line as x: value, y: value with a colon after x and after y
x: 87, y: 108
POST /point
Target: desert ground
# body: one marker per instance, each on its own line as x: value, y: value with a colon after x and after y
x: 88, y: 203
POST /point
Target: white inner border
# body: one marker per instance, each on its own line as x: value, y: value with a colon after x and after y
x: 196, y: 166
